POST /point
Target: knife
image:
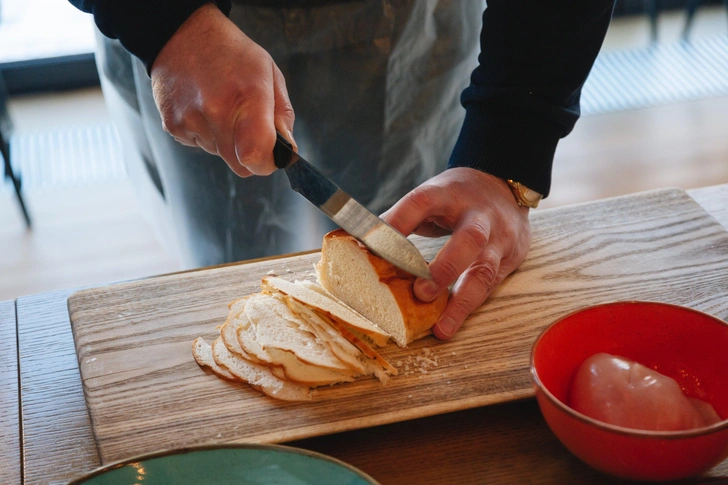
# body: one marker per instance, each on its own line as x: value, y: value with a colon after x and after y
x: 378, y: 236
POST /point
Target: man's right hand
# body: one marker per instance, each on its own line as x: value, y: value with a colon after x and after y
x: 217, y: 89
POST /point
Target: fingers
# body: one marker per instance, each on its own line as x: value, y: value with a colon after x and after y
x: 412, y: 209
x: 259, y: 119
x: 472, y: 289
x: 195, y: 132
x: 229, y: 105
x: 465, y: 246
x: 456, y: 256
x: 254, y: 133
x: 206, y: 130
x: 466, y: 253
x: 284, y: 115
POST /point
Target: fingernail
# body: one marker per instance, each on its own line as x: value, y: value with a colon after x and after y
x: 427, y: 290
x: 292, y: 140
x: 447, y: 327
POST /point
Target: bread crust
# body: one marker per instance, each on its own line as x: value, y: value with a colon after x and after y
x: 418, y: 316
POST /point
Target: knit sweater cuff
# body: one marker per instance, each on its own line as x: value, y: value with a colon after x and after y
x: 509, y: 144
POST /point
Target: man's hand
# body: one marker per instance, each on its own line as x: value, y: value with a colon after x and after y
x: 491, y: 235
x: 217, y: 89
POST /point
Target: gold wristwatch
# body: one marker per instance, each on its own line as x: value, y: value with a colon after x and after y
x: 525, y: 197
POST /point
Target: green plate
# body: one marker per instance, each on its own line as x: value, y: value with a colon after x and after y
x: 230, y: 464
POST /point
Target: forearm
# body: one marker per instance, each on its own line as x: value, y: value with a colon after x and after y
x: 143, y: 26
x: 524, y: 94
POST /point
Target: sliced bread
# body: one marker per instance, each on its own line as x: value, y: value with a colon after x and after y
x: 202, y: 352
x: 258, y: 376
x: 376, y: 289
x: 271, y: 344
x: 330, y: 306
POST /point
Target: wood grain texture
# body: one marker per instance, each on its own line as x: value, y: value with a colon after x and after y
x: 714, y: 200
x: 9, y: 404
x: 57, y: 437
x: 145, y: 392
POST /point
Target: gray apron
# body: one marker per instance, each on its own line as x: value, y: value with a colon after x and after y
x: 375, y: 85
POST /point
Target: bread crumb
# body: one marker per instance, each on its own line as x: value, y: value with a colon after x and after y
x: 453, y: 353
x: 419, y: 363
x: 271, y: 273
x: 425, y: 360
x: 466, y: 366
x: 409, y: 396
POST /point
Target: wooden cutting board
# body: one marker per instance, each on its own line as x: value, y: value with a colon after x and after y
x: 145, y: 392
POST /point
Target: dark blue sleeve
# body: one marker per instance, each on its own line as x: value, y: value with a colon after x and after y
x: 143, y: 26
x: 524, y: 94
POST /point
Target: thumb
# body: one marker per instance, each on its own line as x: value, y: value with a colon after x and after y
x: 284, y: 115
x: 426, y: 290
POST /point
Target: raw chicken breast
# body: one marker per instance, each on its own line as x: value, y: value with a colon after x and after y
x: 625, y: 393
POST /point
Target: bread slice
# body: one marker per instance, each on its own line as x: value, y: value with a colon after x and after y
x: 258, y: 376
x: 342, y: 348
x: 370, y: 360
x: 229, y: 336
x: 202, y: 352
x: 330, y: 306
x: 375, y: 288
x: 277, y: 327
x: 277, y: 340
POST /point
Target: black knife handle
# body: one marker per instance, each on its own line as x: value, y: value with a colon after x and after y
x: 283, y: 153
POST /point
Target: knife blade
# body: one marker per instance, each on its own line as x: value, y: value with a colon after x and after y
x: 378, y: 236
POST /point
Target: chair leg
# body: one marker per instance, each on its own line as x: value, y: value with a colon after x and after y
x: 5, y: 152
x: 690, y: 8
x: 651, y: 8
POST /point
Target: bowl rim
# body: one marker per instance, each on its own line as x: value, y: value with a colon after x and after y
x: 212, y: 447
x: 633, y: 432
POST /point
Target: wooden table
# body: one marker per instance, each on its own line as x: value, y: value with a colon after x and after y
x: 508, y: 443
x: 9, y: 405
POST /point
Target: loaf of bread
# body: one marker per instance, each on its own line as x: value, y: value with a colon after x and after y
x: 376, y: 289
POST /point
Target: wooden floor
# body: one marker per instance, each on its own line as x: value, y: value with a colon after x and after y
x: 96, y: 234
x: 682, y: 145
x: 80, y: 237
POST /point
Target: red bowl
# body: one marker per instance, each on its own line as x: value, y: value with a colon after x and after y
x: 684, y: 344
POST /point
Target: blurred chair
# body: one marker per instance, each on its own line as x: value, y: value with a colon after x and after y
x: 691, y: 6
x: 6, y: 127
x: 652, y: 12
